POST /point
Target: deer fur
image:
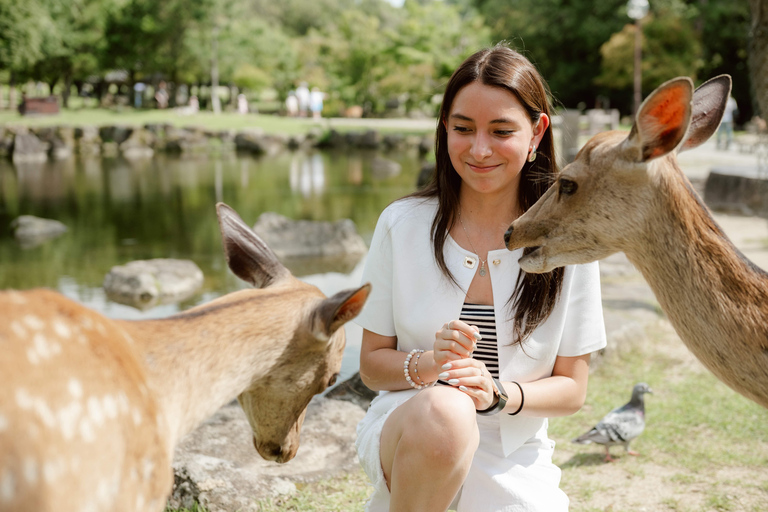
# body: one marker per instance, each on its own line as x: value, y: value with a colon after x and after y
x: 627, y: 193
x: 92, y: 408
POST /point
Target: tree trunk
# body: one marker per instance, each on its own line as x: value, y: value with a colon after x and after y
x: 216, y: 103
x: 65, y: 93
x: 12, y: 92
x: 758, y: 54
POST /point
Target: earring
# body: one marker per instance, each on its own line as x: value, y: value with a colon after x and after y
x: 532, y: 154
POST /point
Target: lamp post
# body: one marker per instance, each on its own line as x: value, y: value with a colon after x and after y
x: 637, y: 9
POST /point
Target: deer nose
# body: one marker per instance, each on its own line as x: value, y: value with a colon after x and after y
x: 269, y: 451
x: 508, y: 234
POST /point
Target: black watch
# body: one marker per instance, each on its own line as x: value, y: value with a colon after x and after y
x: 499, y: 406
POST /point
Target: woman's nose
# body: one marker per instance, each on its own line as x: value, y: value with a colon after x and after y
x: 481, y: 147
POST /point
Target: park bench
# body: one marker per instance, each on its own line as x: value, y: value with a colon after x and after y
x: 39, y: 106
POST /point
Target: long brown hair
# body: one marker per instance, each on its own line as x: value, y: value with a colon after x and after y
x: 535, y: 295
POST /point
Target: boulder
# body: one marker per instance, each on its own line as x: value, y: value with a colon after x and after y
x: 27, y: 147
x: 257, y: 142
x: 353, y: 390
x: 115, y: 134
x: 88, y: 141
x: 31, y: 231
x: 147, y: 283
x: 383, y: 168
x: 311, y: 247
x: 217, y: 466
x: 138, y: 145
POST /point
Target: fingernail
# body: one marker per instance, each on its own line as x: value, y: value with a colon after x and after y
x: 446, y: 366
x: 453, y: 382
x: 443, y: 375
x: 478, y: 337
x: 463, y: 388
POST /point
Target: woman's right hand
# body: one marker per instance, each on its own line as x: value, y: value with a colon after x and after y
x: 455, y: 340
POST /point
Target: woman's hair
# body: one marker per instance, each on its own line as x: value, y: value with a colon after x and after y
x: 535, y: 295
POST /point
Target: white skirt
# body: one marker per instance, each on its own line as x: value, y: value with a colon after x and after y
x: 525, y: 481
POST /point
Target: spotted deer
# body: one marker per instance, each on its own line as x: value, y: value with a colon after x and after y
x: 627, y: 193
x: 92, y: 408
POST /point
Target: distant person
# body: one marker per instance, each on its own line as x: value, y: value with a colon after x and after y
x: 194, y: 104
x: 726, y: 125
x: 316, y: 102
x: 292, y: 104
x: 138, y: 89
x: 161, y: 96
x: 242, y: 104
x: 302, y: 94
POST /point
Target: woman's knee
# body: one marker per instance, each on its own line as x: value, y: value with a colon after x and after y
x: 445, y: 418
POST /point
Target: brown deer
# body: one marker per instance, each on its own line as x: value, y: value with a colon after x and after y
x: 91, y: 408
x: 627, y: 193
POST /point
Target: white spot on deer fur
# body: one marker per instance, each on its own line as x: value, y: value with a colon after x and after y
x: 27, y: 402
x: 75, y: 388
x: 33, y: 322
x: 3, y: 423
x: 95, y: 411
x: 16, y: 297
x: 110, y: 407
x: 140, y: 501
x: 42, y: 347
x: 87, y: 323
x: 136, y: 414
x: 18, y: 330
x: 69, y: 418
x: 7, y: 486
x: 122, y: 402
x: 32, y: 356
x: 30, y: 471
x: 148, y: 468
x: 86, y: 431
x: 62, y: 329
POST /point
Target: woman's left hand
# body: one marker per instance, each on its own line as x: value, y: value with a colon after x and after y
x: 471, y: 377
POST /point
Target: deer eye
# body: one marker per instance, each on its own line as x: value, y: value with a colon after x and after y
x: 333, y: 380
x: 568, y: 187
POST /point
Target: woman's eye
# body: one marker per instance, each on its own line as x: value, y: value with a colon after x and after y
x: 460, y: 129
x: 568, y: 187
x: 504, y: 133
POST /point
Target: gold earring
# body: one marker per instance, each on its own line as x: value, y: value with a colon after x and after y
x: 532, y: 154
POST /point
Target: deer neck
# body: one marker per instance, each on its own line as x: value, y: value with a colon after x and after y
x: 199, y: 360
x: 716, y: 299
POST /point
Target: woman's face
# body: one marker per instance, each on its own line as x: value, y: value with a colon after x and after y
x: 489, y: 137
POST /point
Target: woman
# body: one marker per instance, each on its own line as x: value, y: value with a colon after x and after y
x: 438, y: 263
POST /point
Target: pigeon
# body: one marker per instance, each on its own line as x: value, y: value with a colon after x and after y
x: 621, y: 425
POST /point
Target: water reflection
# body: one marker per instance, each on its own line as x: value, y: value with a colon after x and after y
x: 117, y: 211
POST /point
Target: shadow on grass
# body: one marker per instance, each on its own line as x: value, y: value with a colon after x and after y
x: 585, y: 459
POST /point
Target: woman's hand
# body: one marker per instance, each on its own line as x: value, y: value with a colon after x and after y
x: 455, y: 340
x: 473, y: 378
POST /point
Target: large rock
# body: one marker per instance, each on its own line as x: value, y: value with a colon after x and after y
x: 312, y: 247
x: 138, y: 145
x: 31, y: 231
x: 217, y: 466
x: 147, y: 283
x: 27, y: 147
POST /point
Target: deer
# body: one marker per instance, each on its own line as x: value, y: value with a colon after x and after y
x: 626, y: 193
x: 91, y: 408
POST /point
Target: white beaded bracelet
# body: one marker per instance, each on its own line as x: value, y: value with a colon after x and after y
x: 406, y: 370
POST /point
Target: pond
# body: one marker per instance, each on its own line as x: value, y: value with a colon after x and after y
x: 117, y: 211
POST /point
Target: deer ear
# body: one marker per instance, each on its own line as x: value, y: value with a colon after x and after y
x: 247, y: 255
x: 335, y: 311
x: 709, y: 101
x: 662, y: 119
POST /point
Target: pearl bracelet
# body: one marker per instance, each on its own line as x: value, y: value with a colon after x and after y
x: 406, y: 369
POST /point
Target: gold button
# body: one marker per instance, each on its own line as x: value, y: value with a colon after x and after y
x: 496, y: 262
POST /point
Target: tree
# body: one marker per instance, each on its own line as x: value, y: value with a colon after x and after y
x: 758, y: 53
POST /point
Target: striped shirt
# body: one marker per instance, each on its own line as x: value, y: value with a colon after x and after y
x: 487, y: 350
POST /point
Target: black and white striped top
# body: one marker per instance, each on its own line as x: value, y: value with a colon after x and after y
x: 487, y: 349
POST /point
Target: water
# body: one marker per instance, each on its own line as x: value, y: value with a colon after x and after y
x: 118, y: 211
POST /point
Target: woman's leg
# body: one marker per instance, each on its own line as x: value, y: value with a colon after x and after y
x: 427, y: 445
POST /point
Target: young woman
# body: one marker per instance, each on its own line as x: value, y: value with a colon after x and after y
x: 450, y: 306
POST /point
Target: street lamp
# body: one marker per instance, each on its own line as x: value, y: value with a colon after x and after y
x: 637, y: 9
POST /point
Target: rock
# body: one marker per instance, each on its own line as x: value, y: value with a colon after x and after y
x: 316, y: 245
x: 425, y: 174
x: 383, y: 168
x: 31, y: 231
x: 217, y: 466
x: 138, y: 145
x: 115, y: 134
x: 28, y: 148
x: 186, y: 141
x: 88, y: 141
x: 146, y: 283
x: 353, y: 390
x: 256, y: 141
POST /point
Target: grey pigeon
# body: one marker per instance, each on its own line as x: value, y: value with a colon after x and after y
x: 621, y: 425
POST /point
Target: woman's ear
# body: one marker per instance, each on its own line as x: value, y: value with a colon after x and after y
x: 539, y: 129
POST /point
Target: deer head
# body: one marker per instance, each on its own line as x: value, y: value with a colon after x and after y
x: 309, y: 360
x: 602, y: 200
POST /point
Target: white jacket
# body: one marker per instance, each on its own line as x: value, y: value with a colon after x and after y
x: 412, y: 299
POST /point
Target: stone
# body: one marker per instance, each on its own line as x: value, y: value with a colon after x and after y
x: 31, y: 231
x: 217, y: 466
x: 308, y: 247
x: 383, y: 168
x: 147, y: 283
x: 27, y: 147
x: 138, y: 145
x: 353, y: 390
